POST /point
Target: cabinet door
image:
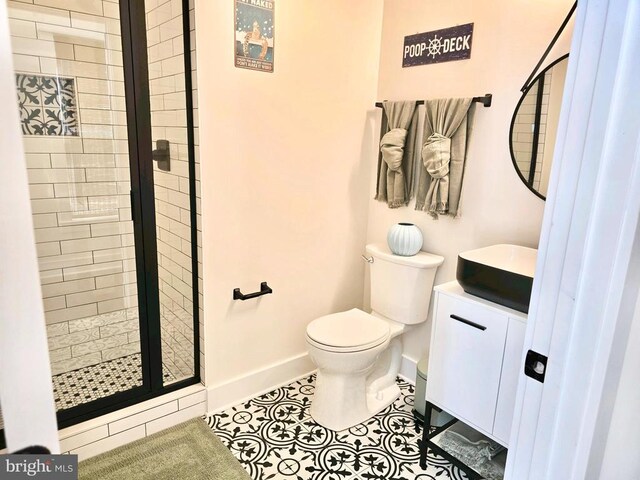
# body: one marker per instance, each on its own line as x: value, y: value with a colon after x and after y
x: 465, y: 360
x: 512, y: 366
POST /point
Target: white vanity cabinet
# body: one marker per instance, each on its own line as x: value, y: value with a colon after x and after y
x: 475, y: 359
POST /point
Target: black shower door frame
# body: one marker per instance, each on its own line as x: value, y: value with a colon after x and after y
x: 136, y: 79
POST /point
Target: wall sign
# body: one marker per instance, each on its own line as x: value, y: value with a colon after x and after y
x: 255, y: 33
x: 445, y: 45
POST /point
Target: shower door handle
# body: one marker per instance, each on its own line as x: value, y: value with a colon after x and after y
x: 162, y: 155
x: 133, y: 204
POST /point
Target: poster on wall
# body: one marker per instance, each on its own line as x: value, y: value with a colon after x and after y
x: 255, y: 33
x: 437, y: 46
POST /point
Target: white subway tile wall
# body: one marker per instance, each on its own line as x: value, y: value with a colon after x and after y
x: 80, y: 190
x: 173, y: 209
x: 80, y: 184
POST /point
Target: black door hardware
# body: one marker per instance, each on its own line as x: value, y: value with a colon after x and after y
x: 132, y: 197
x: 264, y: 290
x: 468, y: 322
x: 535, y: 366
x: 161, y: 155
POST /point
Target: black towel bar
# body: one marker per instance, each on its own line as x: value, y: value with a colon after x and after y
x: 264, y: 289
x: 484, y: 100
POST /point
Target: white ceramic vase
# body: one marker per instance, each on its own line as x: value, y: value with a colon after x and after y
x: 404, y: 239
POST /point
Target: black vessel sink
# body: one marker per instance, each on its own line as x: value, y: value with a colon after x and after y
x: 500, y: 273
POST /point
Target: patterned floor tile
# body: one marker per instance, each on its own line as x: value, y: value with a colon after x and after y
x: 84, y: 385
x: 274, y: 437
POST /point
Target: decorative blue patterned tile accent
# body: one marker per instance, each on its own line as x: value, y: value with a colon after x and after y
x: 47, y: 105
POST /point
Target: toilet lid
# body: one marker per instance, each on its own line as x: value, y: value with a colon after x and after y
x: 346, y: 330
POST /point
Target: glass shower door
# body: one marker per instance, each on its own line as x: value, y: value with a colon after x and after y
x: 174, y: 184
x: 107, y: 124
x: 70, y: 91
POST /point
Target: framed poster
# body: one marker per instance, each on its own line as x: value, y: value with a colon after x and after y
x: 255, y: 33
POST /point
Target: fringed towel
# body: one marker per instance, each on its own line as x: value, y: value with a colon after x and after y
x: 397, y: 154
x: 446, y: 128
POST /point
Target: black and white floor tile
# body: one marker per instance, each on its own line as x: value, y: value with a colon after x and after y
x: 84, y: 385
x: 274, y: 437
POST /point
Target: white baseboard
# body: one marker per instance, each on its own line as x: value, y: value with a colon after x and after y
x: 408, y: 369
x: 241, y: 388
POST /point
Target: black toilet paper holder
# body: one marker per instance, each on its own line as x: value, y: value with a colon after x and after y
x: 264, y: 290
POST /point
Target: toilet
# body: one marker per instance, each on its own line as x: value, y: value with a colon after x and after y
x: 358, y: 354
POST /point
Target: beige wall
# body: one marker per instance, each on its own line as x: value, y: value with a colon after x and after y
x: 285, y: 165
x: 289, y: 159
x: 509, y: 37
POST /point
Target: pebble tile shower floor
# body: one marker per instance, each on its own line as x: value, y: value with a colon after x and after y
x: 274, y: 437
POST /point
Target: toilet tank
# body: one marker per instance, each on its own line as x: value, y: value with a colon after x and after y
x: 401, y: 286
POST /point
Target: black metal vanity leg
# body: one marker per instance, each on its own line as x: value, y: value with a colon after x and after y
x: 426, y: 428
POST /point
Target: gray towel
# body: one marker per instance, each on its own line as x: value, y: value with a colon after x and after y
x: 397, y: 154
x: 446, y: 128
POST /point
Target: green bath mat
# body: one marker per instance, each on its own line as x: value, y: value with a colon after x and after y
x: 189, y: 451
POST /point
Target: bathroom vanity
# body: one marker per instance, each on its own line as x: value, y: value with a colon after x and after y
x: 474, y: 361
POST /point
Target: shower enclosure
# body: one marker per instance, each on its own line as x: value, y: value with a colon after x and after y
x: 105, y: 94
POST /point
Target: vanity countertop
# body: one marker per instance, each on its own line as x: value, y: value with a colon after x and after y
x: 454, y: 289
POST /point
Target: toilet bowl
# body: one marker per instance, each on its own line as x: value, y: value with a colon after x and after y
x: 345, y: 347
x: 358, y: 354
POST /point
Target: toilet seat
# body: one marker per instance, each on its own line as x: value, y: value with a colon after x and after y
x: 350, y: 331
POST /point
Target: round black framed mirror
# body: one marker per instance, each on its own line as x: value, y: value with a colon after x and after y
x: 532, y: 135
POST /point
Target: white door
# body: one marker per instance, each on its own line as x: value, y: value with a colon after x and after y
x: 26, y: 393
x: 586, y: 276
